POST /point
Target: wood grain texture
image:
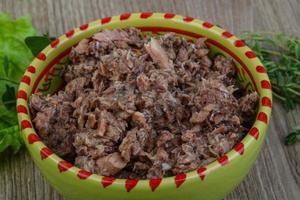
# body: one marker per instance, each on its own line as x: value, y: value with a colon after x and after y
x: 276, y: 174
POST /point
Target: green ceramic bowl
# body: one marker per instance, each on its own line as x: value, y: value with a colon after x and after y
x: 213, y: 181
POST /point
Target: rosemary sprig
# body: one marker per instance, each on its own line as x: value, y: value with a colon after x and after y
x: 280, y: 54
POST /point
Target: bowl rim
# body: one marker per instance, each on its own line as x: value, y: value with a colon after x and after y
x: 257, y: 131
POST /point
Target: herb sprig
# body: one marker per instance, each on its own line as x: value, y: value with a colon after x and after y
x: 280, y: 54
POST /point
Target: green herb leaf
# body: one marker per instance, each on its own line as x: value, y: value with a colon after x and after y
x: 292, y: 138
x: 297, y: 51
x: 10, y: 137
x: 5, y: 65
x: 37, y: 43
x: 15, y: 57
x: 8, y: 97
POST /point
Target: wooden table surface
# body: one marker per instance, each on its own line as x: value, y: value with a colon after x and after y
x: 275, y: 175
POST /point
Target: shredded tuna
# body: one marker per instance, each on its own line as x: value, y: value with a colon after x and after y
x: 110, y: 164
x: 158, y: 54
x: 82, y: 47
x: 142, y: 107
x: 130, y: 145
x: 248, y: 103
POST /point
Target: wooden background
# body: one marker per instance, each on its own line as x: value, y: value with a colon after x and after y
x: 276, y: 174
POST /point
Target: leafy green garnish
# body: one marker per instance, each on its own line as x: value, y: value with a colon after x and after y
x: 280, y: 55
x: 8, y: 139
x: 294, y: 136
x: 37, y: 43
x: 8, y: 97
x: 18, y: 44
x: 14, y: 58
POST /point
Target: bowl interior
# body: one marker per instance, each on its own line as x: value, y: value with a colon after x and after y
x: 50, y: 81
